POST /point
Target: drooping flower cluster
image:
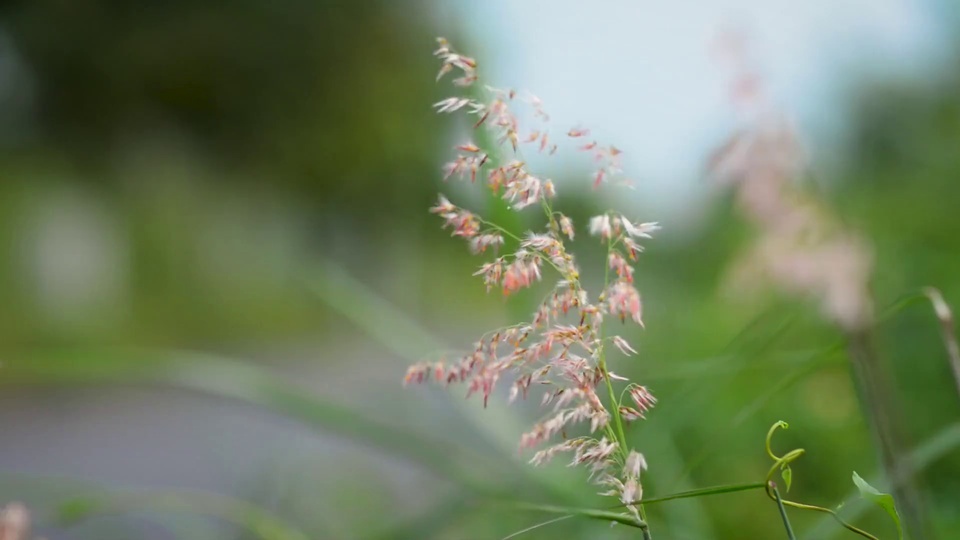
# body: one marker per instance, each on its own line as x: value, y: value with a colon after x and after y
x: 562, y: 349
x: 628, y: 489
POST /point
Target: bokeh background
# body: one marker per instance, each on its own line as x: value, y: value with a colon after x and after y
x: 216, y: 262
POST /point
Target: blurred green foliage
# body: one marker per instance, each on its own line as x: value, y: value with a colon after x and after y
x: 196, y: 176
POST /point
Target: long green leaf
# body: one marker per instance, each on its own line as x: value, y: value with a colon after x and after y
x: 926, y: 453
x: 252, y: 518
x: 80, y: 500
x: 217, y: 376
x: 883, y: 500
x: 602, y: 515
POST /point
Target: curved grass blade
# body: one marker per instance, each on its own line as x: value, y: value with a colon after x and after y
x: 590, y: 513
x: 396, y: 331
x: 243, y: 514
x: 81, y: 500
x: 537, y: 526
x: 704, y: 492
x: 216, y: 376
x: 811, y: 364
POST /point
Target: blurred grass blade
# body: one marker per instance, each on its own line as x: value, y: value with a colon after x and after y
x: 248, y: 383
x: 925, y: 454
x: 789, y: 378
x: 694, y: 396
x: 537, y: 526
x: 941, y: 444
x: 380, y: 319
x: 702, y: 492
x: 947, y: 331
x: 243, y: 514
x: 590, y: 513
x: 428, y: 524
x: 399, y: 333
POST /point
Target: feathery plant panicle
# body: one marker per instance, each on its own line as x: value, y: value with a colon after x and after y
x: 562, y: 348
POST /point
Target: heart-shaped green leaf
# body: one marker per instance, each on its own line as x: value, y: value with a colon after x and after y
x: 787, y: 475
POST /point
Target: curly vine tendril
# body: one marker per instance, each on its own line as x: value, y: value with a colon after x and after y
x: 783, y: 463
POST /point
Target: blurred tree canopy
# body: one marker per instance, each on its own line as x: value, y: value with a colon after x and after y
x: 326, y: 97
x: 204, y: 147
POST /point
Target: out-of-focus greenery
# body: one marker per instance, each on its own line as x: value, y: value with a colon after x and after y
x: 208, y: 148
x: 186, y: 182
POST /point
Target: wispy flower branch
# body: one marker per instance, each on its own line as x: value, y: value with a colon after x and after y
x: 562, y: 349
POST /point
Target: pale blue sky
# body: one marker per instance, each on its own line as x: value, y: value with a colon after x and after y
x: 640, y: 72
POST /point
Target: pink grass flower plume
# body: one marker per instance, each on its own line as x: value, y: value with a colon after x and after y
x: 801, y: 249
x: 563, y: 348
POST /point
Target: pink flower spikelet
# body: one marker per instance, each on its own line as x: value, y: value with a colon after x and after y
x: 562, y: 349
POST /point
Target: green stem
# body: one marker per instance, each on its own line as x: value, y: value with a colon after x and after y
x: 603, y: 515
x: 783, y: 514
x: 839, y: 520
x: 703, y: 492
x: 622, y: 518
x: 879, y: 400
x: 621, y: 437
x: 602, y: 364
x: 614, y: 403
x: 500, y: 229
x: 516, y: 238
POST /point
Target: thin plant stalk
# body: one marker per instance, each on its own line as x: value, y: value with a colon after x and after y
x: 945, y: 316
x: 783, y: 513
x: 880, y: 404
